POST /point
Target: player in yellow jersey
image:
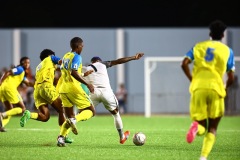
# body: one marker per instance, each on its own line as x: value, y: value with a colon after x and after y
x: 45, y: 92
x: 211, y: 60
x: 71, y: 91
x: 9, y: 94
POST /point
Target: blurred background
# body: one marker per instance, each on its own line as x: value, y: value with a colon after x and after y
x: 117, y: 29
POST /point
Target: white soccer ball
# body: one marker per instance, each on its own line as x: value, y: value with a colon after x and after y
x: 139, y: 139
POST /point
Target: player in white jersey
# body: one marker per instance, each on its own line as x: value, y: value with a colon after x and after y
x: 103, y: 92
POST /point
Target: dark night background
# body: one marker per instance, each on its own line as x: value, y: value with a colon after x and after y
x: 131, y: 13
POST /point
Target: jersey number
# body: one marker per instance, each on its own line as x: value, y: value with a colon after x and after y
x: 209, y: 55
x: 65, y: 63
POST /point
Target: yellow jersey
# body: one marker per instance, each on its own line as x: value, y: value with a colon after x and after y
x: 70, y: 61
x: 211, y: 60
x: 45, y: 71
x: 13, y: 81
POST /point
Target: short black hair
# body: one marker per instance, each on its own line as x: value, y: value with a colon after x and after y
x: 23, y: 59
x: 217, y: 29
x: 96, y: 58
x: 45, y: 53
x: 75, y: 42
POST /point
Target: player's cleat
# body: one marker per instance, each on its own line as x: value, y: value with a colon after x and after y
x: 26, y: 116
x: 61, y: 141
x: 126, y: 135
x: 68, y: 140
x: 192, y: 132
x: 72, y: 125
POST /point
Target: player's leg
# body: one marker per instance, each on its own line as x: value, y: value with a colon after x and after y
x: 198, y: 113
x: 69, y: 112
x: 110, y: 102
x: 216, y: 111
x: 84, y: 104
x: 57, y: 105
x: 4, y: 115
x: 41, y: 105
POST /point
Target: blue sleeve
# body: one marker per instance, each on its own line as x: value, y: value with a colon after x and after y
x: 231, y: 62
x: 77, y: 60
x: 18, y: 70
x: 190, y: 55
x: 55, y: 59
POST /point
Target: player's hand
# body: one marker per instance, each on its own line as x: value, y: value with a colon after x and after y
x: 88, y: 72
x: 138, y: 55
x: 91, y: 88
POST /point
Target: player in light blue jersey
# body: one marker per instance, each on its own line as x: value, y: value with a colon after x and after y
x: 71, y: 92
x: 9, y: 94
x: 211, y: 60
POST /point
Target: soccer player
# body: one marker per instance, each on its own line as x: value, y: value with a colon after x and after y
x: 45, y: 92
x: 211, y: 60
x: 103, y: 92
x: 9, y: 94
x: 71, y: 91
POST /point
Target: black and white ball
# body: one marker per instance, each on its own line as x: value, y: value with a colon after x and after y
x: 139, y: 139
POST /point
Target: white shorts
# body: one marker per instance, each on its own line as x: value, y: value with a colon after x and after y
x: 105, y: 96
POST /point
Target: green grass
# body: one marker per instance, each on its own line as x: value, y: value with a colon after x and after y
x: 98, y: 139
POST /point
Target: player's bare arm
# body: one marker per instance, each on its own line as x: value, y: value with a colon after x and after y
x: 5, y: 75
x: 76, y: 75
x: 87, y: 73
x: 186, y: 61
x: 28, y: 83
x: 127, y: 59
x: 230, y: 79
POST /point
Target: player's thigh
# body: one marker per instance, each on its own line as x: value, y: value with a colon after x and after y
x: 80, y: 100
x: 38, y: 100
x: 198, y: 105
x: 48, y: 92
x: 109, y: 100
x: 13, y: 96
x: 215, y: 105
x: 95, y: 97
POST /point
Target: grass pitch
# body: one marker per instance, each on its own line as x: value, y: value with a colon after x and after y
x: 98, y: 139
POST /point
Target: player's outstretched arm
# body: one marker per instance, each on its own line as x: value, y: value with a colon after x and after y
x: 87, y: 73
x: 126, y: 59
x: 75, y: 74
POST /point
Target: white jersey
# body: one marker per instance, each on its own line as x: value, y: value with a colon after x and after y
x: 99, y: 78
x: 102, y: 89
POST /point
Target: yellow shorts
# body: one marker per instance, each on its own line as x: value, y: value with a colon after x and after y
x: 80, y: 100
x: 206, y: 103
x: 10, y: 94
x: 44, y: 93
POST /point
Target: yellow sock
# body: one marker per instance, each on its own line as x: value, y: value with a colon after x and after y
x: 14, y: 111
x: 6, y: 120
x: 64, y: 129
x: 68, y: 130
x: 84, y: 115
x: 201, y: 130
x: 34, y: 115
x: 208, y: 143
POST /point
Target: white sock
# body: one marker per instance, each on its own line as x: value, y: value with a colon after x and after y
x: 118, y: 124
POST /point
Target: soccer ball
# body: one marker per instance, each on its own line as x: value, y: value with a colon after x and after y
x: 139, y: 139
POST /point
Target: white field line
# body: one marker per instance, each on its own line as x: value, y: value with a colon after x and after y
x: 162, y: 130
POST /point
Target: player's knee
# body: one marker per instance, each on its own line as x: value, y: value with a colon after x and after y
x: 201, y: 130
x: 45, y: 118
